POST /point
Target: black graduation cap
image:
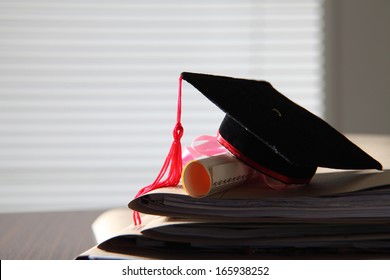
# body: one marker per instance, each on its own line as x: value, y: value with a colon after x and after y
x: 274, y: 135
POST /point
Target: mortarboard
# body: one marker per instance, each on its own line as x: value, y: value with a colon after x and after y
x: 274, y: 135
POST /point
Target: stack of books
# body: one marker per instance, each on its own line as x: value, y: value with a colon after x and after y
x: 343, y: 214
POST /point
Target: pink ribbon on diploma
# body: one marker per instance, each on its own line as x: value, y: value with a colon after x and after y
x: 204, y: 145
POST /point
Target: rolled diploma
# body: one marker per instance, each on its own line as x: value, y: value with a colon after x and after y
x: 213, y: 174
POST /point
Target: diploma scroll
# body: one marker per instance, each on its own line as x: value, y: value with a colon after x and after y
x: 213, y: 174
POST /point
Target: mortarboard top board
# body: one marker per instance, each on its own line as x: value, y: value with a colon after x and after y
x: 274, y: 135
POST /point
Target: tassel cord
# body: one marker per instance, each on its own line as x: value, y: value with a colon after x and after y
x: 173, y: 162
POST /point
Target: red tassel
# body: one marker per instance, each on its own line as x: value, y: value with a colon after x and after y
x: 173, y: 163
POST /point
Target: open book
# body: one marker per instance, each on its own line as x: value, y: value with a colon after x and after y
x: 169, y: 238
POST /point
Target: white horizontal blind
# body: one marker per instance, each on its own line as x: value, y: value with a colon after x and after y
x: 88, y: 88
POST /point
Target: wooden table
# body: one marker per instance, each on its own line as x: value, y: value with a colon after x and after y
x: 46, y: 235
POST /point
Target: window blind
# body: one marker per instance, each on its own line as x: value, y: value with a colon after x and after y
x: 88, y: 89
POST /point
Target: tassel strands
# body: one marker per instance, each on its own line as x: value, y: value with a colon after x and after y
x: 173, y: 162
